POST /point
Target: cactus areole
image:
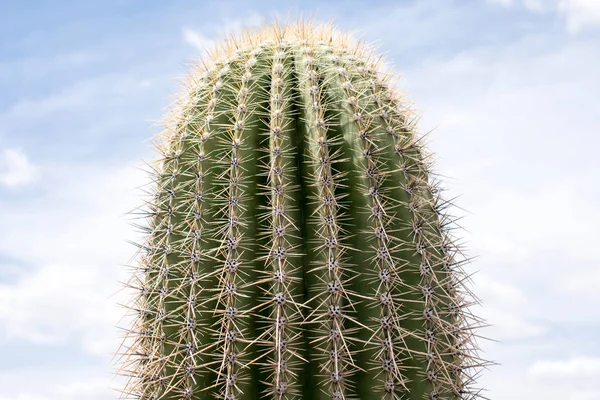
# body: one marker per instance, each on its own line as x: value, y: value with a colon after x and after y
x: 297, y: 246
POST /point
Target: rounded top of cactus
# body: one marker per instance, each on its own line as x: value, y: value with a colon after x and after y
x: 300, y: 37
x: 316, y: 43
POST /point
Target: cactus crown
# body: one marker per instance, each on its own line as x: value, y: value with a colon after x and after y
x: 296, y: 243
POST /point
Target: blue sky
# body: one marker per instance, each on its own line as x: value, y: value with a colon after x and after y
x: 509, y: 89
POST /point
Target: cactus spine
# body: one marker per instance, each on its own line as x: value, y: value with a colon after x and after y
x: 297, y: 245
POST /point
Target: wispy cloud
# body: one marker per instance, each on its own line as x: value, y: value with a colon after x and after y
x: 197, y: 39
x: 227, y: 26
x: 15, y: 168
x: 578, y: 15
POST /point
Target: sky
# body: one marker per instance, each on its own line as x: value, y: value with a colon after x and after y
x: 508, y: 90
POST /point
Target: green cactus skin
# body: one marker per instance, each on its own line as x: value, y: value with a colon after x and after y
x: 297, y: 245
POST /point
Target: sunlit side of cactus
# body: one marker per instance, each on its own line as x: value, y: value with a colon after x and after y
x: 296, y: 242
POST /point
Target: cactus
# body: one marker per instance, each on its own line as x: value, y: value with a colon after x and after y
x: 296, y: 244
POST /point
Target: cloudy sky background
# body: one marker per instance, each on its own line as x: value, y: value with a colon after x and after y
x: 509, y: 87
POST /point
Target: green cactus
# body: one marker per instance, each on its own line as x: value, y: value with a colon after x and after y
x: 297, y: 245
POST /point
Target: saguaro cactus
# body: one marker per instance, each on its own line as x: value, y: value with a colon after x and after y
x: 296, y: 242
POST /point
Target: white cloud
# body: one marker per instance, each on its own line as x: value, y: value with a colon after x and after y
x: 75, y: 237
x: 79, y: 215
x: 578, y: 14
x: 505, y: 3
x: 15, y: 168
x: 55, y: 303
x: 505, y: 309
x: 525, y: 229
x: 584, y: 283
x: 197, y: 39
x: 57, y: 384
x: 518, y: 384
x: 572, y: 378
x: 88, y: 387
x: 203, y: 42
x: 576, y: 367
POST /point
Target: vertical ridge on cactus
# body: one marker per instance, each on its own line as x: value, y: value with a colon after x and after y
x: 297, y: 245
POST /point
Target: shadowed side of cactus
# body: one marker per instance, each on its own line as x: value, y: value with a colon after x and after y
x: 296, y: 243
